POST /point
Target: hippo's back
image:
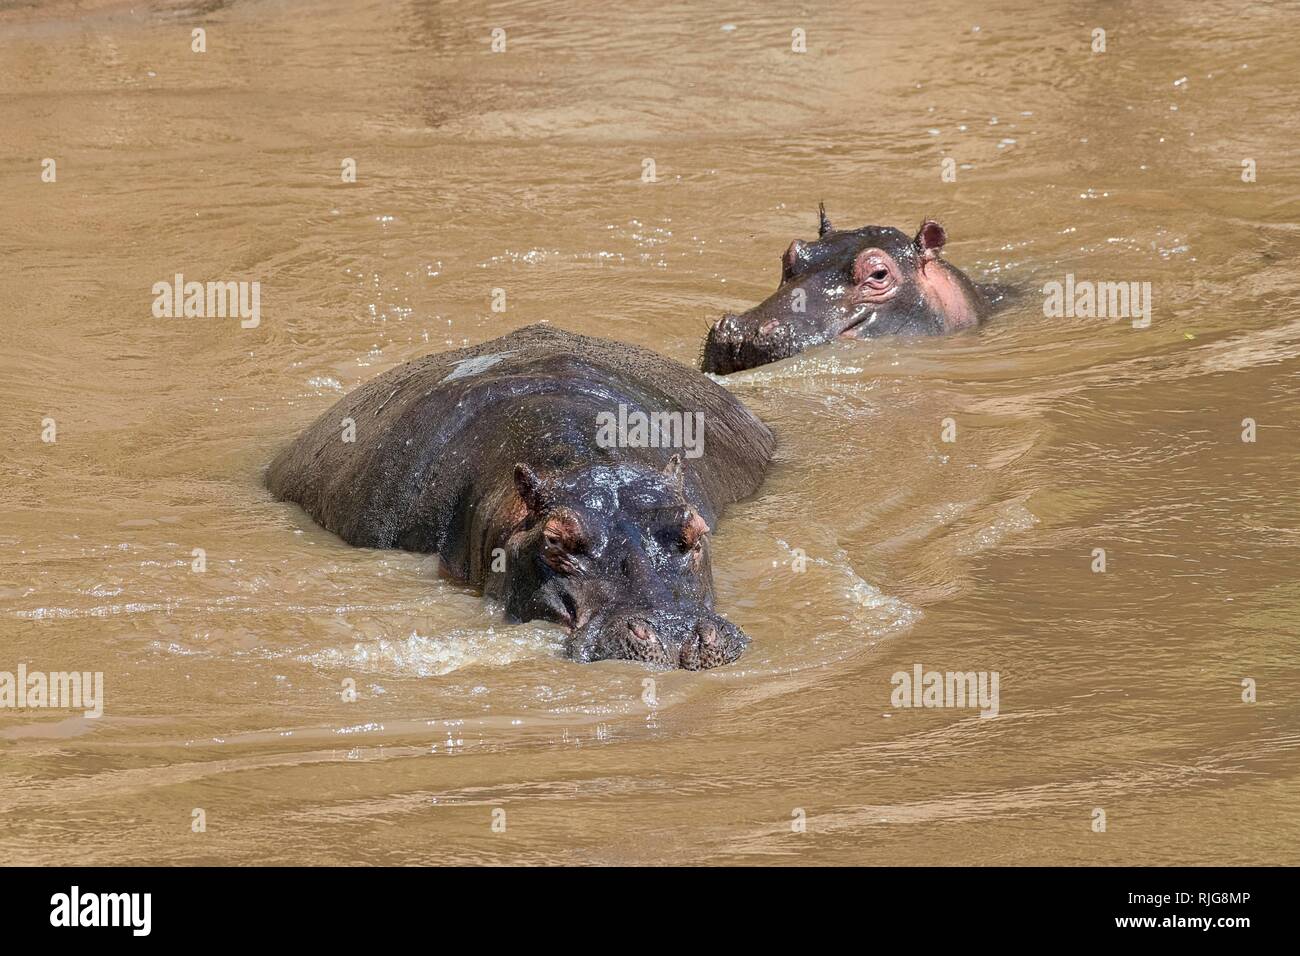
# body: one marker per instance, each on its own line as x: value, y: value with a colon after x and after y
x: 426, y: 431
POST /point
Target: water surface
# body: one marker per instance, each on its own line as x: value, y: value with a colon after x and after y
x: 522, y: 171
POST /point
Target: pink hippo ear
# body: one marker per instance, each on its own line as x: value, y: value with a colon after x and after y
x: 930, y: 238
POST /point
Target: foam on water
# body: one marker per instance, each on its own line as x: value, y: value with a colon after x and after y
x: 1013, y: 518
x: 873, y: 611
x: 433, y: 655
x: 803, y: 366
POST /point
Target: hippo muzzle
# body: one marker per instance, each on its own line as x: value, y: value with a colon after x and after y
x: 738, y: 342
x: 691, y: 640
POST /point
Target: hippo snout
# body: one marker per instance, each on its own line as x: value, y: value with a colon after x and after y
x: 738, y: 342
x: 709, y: 646
x: 722, y: 345
x: 689, y: 640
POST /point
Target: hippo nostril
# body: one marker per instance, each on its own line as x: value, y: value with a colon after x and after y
x: 642, y: 632
x: 726, y: 328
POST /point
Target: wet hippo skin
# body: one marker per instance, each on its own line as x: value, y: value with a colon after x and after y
x: 492, y: 458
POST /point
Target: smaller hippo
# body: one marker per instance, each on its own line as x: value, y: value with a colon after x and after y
x: 857, y: 283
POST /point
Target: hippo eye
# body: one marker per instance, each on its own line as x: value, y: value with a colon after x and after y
x: 562, y: 541
x: 878, y: 277
x: 872, y: 270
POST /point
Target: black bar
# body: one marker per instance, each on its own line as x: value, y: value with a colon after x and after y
x: 941, y: 906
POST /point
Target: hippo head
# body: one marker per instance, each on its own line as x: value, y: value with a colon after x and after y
x: 620, y: 556
x: 855, y: 283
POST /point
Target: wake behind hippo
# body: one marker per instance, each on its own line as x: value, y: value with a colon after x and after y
x: 537, y: 467
x: 857, y: 283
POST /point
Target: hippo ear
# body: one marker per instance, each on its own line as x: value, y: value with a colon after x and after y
x: 693, y: 529
x: 529, y: 486
x: 824, y: 224
x: 790, y: 261
x: 930, y: 238
x: 675, y: 472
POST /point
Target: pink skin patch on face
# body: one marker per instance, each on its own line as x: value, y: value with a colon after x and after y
x: 694, y: 529
x: 941, y: 286
x: 946, y: 294
x: 561, y: 539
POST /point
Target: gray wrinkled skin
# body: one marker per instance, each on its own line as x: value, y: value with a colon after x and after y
x: 489, y: 457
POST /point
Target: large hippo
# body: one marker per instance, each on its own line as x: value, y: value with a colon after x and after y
x: 557, y: 473
x: 854, y: 283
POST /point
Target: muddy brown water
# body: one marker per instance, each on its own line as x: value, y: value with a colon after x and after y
x: 1120, y: 691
